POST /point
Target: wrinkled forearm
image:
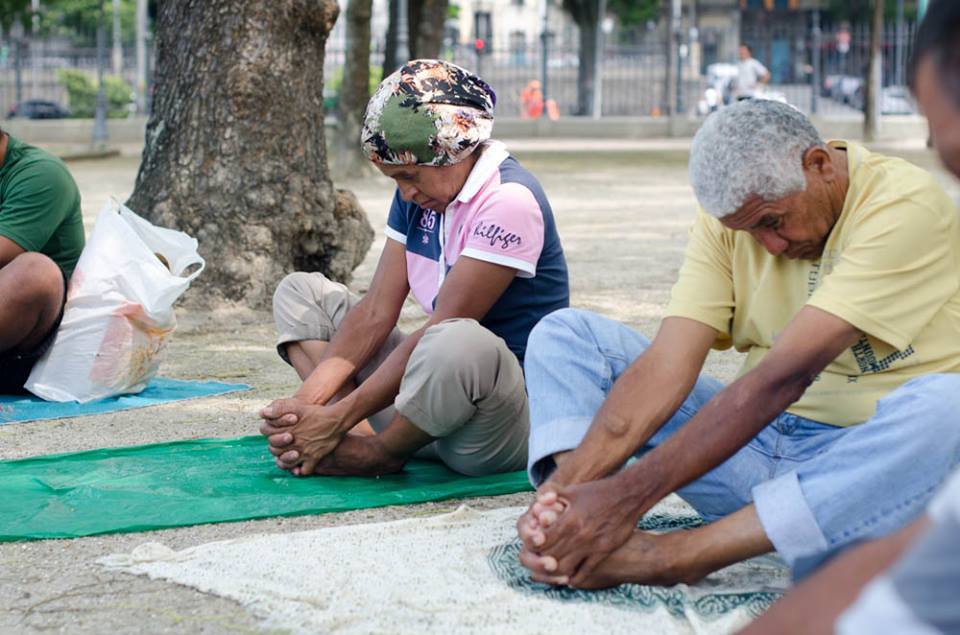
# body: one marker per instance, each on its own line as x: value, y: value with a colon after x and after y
x: 639, y: 403
x: 721, y: 428
x: 360, y: 336
x: 381, y: 388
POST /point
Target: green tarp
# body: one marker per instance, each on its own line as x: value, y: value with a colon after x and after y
x: 201, y: 481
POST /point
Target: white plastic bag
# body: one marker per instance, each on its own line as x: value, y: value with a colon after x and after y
x: 119, y: 313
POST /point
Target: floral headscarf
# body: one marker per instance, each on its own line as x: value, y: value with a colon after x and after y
x: 429, y: 112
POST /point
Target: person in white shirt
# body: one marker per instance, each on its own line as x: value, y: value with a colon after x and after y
x: 752, y: 76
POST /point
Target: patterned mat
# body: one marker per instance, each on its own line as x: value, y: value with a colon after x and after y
x: 453, y: 573
x: 709, y: 601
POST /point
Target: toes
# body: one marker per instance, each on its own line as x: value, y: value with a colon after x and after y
x: 547, y: 498
x: 556, y: 580
x: 548, y: 517
x: 541, y: 565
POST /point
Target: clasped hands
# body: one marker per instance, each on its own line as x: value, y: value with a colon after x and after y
x: 301, y: 434
x: 570, y: 529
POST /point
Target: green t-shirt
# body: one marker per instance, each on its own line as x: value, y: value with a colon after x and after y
x: 40, y: 204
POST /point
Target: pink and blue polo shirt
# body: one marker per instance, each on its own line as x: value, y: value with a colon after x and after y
x: 501, y: 216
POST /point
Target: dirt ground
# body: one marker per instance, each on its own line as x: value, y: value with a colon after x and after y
x: 622, y: 209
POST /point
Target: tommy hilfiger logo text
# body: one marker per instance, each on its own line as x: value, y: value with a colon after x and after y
x: 496, y: 234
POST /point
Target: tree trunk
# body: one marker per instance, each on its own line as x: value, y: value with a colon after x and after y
x: 586, y: 73
x: 585, y: 14
x: 874, y: 80
x: 235, y: 152
x: 354, y: 90
x: 426, y: 19
x: 390, y: 61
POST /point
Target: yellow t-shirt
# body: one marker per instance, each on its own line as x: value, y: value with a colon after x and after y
x: 890, y: 267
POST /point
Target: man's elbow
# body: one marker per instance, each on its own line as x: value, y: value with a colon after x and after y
x: 793, y: 386
x: 616, y: 426
x: 376, y: 318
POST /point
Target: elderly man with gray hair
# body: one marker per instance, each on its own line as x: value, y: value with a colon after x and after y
x: 835, y: 270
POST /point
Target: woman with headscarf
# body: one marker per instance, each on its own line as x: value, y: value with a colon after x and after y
x: 471, y: 234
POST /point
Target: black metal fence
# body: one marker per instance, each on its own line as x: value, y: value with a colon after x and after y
x: 632, y: 82
x: 33, y: 69
x: 822, y: 71
x: 826, y: 72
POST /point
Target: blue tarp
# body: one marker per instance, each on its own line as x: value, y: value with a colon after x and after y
x: 21, y: 408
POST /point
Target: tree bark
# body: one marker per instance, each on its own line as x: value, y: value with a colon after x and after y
x: 874, y: 79
x: 235, y: 152
x: 587, y: 72
x: 354, y: 90
x: 585, y: 15
x: 426, y: 19
x: 390, y: 61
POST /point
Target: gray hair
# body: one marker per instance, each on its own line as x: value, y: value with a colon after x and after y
x: 752, y: 148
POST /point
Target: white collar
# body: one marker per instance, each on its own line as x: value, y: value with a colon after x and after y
x: 493, y: 155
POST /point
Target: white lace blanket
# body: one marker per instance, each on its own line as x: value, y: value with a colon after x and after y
x: 454, y: 573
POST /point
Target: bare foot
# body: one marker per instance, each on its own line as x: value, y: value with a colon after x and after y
x: 359, y: 456
x: 362, y: 429
x: 656, y: 559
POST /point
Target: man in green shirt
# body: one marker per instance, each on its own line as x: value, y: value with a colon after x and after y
x: 41, y: 237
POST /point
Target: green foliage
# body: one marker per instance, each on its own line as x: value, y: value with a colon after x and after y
x: 453, y: 11
x: 859, y: 10
x: 82, y: 93
x: 332, y: 83
x: 631, y: 13
x: 13, y: 10
x: 77, y: 19
x: 634, y: 12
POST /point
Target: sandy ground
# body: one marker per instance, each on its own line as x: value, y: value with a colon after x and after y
x: 622, y: 210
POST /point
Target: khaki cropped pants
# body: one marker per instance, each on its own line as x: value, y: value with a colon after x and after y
x: 462, y: 385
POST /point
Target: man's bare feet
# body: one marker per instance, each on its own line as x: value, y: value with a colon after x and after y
x: 359, y: 456
x: 362, y: 429
x: 658, y: 559
x: 646, y: 558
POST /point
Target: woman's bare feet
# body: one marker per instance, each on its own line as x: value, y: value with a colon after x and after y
x: 359, y: 456
x: 656, y: 559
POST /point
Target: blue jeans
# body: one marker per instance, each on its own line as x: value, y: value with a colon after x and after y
x: 816, y: 487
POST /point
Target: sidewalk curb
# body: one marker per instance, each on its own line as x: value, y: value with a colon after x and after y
x: 86, y: 155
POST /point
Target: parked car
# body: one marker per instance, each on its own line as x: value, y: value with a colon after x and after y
x: 720, y: 80
x: 38, y: 109
x: 896, y: 100
x: 831, y: 86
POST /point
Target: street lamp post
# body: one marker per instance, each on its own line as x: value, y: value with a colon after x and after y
x: 815, y: 92
x: 117, y: 57
x: 34, y: 58
x: 901, y: 36
x: 544, y: 44
x: 678, y: 35
x: 598, y: 62
x: 403, y: 33
x: 100, y: 118
x: 141, y: 56
x: 17, y: 41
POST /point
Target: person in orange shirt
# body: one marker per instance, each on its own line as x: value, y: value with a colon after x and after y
x: 531, y: 100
